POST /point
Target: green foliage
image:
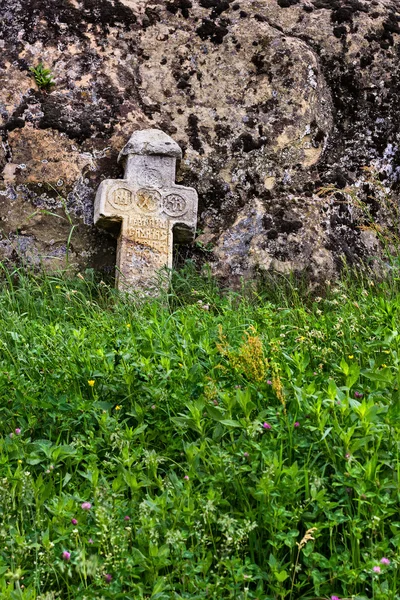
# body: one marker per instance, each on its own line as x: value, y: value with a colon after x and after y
x: 229, y: 446
x: 43, y: 77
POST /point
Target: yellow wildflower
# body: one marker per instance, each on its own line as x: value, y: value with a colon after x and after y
x: 91, y: 382
x: 351, y: 356
x: 118, y: 407
x: 19, y: 461
x: 128, y: 325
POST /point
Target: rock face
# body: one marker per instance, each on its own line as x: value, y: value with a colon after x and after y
x: 270, y: 100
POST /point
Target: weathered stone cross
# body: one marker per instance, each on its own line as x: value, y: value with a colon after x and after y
x: 152, y: 209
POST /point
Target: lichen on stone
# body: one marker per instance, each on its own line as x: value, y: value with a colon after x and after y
x: 269, y: 101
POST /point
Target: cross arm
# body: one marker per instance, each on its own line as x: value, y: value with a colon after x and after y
x: 180, y: 205
x: 113, y: 201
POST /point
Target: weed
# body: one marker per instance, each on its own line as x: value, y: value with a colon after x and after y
x: 43, y: 77
x: 249, y: 359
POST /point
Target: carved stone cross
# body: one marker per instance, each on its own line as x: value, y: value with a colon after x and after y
x: 153, y: 210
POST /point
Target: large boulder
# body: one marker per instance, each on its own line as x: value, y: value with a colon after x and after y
x: 270, y: 100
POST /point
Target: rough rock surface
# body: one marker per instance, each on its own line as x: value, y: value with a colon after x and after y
x: 269, y: 99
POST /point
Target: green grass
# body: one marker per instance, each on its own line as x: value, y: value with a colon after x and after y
x: 209, y: 431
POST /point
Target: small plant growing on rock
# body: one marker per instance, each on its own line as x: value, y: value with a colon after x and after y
x: 43, y: 77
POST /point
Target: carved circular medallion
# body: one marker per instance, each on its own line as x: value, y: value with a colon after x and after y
x: 121, y: 198
x: 175, y: 205
x: 148, y: 200
x: 150, y: 178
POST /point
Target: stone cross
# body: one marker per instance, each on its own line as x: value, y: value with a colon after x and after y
x: 153, y: 210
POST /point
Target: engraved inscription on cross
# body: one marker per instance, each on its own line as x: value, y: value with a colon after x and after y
x: 153, y: 210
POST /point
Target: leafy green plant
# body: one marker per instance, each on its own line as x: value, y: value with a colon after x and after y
x: 43, y: 77
x: 205, y: 247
